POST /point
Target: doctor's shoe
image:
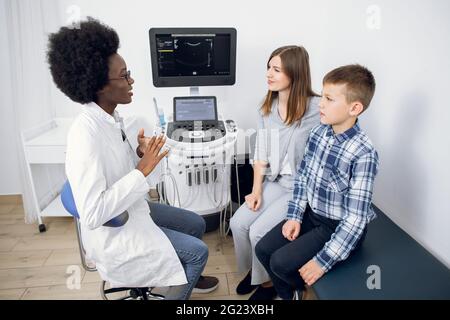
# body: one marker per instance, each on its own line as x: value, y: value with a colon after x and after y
x: 206, y: 284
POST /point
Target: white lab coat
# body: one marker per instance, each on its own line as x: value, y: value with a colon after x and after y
x: 100, y: 168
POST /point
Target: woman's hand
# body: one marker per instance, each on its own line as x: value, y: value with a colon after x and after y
x: 151, y: 156
x: 253, y: 200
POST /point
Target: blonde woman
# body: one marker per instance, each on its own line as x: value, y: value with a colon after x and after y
x: 289, y: 112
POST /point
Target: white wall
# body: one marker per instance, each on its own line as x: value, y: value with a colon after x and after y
x: 408, y: 54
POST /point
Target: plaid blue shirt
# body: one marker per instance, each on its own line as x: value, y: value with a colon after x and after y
x: 336, y: 178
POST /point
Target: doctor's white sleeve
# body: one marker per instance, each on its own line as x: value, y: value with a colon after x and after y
x: 95, y: 201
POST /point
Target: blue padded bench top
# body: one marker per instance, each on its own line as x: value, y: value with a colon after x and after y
x: 407, y: 270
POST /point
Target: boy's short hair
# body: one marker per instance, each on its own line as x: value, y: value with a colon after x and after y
x: 359, y: 81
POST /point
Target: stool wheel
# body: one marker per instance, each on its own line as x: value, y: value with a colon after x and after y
x: 109, y: 293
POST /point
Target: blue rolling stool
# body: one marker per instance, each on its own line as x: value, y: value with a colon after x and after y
x: 132, y: 293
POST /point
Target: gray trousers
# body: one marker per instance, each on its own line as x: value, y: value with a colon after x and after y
x: 249, y: 227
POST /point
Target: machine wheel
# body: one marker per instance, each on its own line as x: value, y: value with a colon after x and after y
x: 42, y: 228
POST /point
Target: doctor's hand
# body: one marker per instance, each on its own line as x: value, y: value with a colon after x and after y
x: 143, y: 141
x: 253, y: 201
x: 151, y: 156
x: 291, y: 229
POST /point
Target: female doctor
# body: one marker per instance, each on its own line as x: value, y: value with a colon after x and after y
x: 160, y: 249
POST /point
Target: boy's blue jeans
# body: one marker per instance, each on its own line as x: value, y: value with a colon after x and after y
x: 184, y: 230
x: 283, y: 258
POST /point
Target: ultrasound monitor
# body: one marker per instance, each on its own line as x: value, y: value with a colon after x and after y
x: 193, y: 56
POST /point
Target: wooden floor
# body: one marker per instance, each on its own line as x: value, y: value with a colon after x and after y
x: 37, y: 265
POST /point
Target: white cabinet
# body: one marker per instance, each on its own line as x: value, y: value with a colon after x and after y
x: 44, y: 146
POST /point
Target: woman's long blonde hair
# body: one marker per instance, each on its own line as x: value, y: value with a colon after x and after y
x: 295, y: 64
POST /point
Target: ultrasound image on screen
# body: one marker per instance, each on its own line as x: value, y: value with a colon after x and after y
x: 193, y: 55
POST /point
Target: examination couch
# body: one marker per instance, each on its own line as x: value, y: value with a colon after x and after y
x: 389, y: 265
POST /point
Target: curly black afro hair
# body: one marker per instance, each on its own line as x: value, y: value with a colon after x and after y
x: 78, y: 58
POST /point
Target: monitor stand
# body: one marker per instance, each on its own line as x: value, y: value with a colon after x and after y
x: 194, y: 91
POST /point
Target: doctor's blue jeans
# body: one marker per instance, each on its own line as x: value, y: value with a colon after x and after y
x: 184, y: 229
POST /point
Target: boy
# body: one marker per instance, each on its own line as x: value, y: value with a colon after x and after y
x: 331, y: 203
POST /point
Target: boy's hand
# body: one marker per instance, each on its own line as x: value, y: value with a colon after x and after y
x: 291, y: 230
x: 311, y: 272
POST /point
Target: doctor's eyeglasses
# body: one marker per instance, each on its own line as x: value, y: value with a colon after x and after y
x: 127, y: 77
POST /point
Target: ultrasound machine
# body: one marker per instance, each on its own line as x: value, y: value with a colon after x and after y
x: 196, y: 173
